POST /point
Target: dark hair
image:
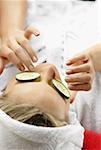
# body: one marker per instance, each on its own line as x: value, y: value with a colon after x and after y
x: 40, y: 120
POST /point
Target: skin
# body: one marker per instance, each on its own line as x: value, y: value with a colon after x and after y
x: 40, y: 93
x: 82, y: 68
x: 15, y: 47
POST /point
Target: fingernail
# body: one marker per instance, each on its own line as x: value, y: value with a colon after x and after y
x: 37, y: 33
x: 22, y: 68
x: 31, y: 67
x: 35, y: 59
x: 68, y: 62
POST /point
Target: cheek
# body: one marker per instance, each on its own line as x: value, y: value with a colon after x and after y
x: 67, y: 106
x: 10, y: 86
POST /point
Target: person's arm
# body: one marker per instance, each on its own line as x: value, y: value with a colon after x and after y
x: 92, y: 140
x: 15, y: 47
x: 12, y: 17
x: 95, y: 53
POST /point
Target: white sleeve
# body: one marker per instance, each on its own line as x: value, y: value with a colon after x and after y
x: 99, y: 16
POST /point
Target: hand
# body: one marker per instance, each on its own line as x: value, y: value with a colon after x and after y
x: 80, y: 73
x: 15, y: 48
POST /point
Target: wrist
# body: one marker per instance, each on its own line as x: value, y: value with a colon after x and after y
x: 7, y: 33
x: 95, y: 56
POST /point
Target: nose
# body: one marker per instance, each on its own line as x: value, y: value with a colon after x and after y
x: 50, y: 73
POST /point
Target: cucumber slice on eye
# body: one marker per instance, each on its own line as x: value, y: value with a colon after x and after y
x: 61, y: 88
x: 27, y: 76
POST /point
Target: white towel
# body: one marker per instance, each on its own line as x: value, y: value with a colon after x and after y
x: 15, y: 135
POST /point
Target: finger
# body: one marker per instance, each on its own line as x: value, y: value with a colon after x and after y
x: 78, y: 69
x: 7, y: 53
x: 31, y: 30
x: 1, y: 65
x: 21, y: 54
x: 76, y: 59
x: 25, y: 44
x: 73, y: 95
x: 82, y: 78
x: 24, y: 58
x: 82, y: 87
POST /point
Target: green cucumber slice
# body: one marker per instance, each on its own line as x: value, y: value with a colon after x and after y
x: 27, y: 76
x: 61, y: 88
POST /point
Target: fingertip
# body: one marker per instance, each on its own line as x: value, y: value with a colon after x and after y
x: 68, y: 62
x: 35, y: 59
x: 37, y: 33
x: 69, y: 72
x: 31, y: 30
x: 71, y: 87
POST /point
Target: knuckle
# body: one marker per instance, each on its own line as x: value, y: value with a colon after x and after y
x: 10, y: 54
x: 27, y: 61
x: 23, y: 41
x: 17, y: 50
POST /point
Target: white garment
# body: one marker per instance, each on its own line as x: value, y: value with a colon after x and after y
x: 88, y: 106
x: 99, y: 16
x: 15, y: 135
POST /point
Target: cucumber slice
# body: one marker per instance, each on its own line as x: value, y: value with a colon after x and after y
x: 61, y: 88
x: 27, y: 76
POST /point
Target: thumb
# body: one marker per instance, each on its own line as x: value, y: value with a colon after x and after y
x: 31, y: 30
x: 1, y: 65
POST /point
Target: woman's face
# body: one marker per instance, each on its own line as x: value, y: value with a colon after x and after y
x: 40, y: 93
